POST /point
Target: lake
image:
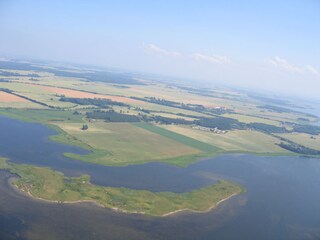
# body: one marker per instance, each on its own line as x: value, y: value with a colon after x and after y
x: 281, y: 202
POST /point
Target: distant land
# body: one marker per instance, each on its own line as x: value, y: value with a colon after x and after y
x: 125, y: 119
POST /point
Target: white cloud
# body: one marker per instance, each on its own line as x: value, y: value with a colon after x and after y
x: 283, y: 64
x: 211, y: 58
x: 151, y: 48
x: 313, y: 70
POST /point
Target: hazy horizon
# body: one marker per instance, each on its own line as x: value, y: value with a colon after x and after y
x: 271, y: 46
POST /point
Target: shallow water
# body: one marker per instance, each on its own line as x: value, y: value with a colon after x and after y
x: 281, y: 202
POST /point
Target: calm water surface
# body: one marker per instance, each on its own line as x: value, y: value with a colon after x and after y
x: 281, y: 202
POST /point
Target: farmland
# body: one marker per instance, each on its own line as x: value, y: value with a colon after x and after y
x: 139, y: 120
x: 166, y: 113
x: 234, y: 141
x: 123, y: 143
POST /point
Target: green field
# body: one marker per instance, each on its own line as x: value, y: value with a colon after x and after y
x: 179, y: 138
x: 125, y: 143
x: 50, y: 185
x: 233, y: 141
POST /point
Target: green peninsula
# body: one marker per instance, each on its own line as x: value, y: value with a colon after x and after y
x: 47, y: 184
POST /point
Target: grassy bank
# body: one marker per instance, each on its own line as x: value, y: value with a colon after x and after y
x: 46, y: 184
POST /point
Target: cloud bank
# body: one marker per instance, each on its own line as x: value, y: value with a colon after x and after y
x: 284, y: 65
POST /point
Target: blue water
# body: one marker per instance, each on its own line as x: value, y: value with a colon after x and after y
x: 281, y: 202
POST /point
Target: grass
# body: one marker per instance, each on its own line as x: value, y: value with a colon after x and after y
x: 179, y: 137
x: 122, y: 143
x: 47, y: 184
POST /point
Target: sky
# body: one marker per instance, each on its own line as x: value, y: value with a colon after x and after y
x: 266, y: 45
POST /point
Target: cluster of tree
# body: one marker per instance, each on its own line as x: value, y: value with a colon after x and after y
x: 112, y: 116
x: 161, y: 101
x: 222, y: 123
x: 84, y: 127
x: 167, y: 120
x: 276, y: 109
x: 92, y: 101
x: 13, y: 74
x: 303, y: 119
x: 309, y: 129
x: 6, y: 90
x: 269, y: 100
x: 143, y: 110
x: 164, y: 102
x: 120, y: 86
x: 192, y: 107
x: 297, y: 148
x: 267, y: 128
x: 220, y: 111
x: 200, y: 92
x: 5, y: 80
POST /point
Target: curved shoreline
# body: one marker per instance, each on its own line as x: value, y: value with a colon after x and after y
x: 204, y: 211
x: 29, y: 195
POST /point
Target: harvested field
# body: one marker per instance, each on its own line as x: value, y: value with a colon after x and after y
x: 7, y: 97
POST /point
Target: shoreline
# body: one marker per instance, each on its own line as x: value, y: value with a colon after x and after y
x: 29, y: 195
x: 199, y: 211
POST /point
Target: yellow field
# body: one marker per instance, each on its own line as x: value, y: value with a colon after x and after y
x: 237, y: 140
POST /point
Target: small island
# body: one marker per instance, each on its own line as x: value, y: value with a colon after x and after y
x: 47, y: 184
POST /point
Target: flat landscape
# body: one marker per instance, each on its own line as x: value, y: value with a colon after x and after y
x: 123, y: 143
x: 143, y: 120
x: 121, y: 118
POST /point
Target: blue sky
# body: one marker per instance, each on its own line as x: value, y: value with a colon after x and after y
x: 271, y: 45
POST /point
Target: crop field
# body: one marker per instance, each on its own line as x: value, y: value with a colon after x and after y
x: 13, y: 101
x: 124, y: 143
x: 7, y: 97
x: 236, y: 140
x: 304, y: 139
